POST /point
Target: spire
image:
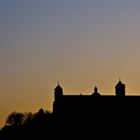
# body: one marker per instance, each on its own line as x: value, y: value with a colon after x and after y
x: 58, y: 83
x: 119, y: 78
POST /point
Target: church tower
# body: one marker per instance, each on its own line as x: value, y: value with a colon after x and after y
x: 58, y: 100
x: 58, y: 92
x: 120, y: 89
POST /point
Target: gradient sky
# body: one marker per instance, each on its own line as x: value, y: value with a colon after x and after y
x: 80, y: 43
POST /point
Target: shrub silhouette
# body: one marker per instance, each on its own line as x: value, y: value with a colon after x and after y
x: 15, y: 118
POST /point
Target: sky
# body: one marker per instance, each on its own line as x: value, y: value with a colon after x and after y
x: 80, y: 43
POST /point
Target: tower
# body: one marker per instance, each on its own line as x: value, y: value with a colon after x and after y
x: 96, y: 92
x: 120, y: 89
x: 58, y: 92
x: 58, y: 100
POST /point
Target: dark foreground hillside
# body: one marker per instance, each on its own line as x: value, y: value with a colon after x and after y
x: 106, y: 120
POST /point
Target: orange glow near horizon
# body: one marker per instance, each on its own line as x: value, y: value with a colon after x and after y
x: 82, y: 44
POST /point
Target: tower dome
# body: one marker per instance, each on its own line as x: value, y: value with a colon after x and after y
x: 96, y: 92
x: 120, y: 89
x: 58, y: 92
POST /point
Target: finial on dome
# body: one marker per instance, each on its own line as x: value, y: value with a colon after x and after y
x: 95, y: 90
x: 119, y: 78
x: 58, y: 83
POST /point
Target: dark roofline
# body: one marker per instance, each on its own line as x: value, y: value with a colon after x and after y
x: 101, y: 95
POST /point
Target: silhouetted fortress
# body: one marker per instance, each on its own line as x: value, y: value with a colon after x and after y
x: 90, y: 109
x: 92, y: 116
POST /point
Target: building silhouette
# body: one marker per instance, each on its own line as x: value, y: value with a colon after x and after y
x: 76, y: 103
x: 77, y: 116
x: 90, y: 109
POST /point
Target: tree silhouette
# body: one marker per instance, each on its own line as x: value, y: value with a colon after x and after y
x: 15, y: 119
x: 28, y: 116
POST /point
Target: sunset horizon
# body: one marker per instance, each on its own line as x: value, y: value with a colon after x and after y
x: 80, y: 43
